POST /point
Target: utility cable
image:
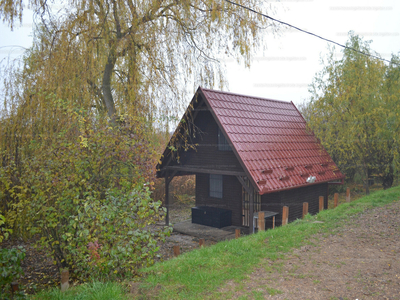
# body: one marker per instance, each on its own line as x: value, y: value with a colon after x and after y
x: 307, y: 32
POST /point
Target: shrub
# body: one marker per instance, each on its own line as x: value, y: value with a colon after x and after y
x: 10, y: 270
x: 85, y: 192
x: 4, y: 232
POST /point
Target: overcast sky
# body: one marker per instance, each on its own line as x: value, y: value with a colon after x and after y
x: 285, y: 69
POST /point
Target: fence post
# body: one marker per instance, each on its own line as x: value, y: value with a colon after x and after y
x: 64, y: 280
x: 201, y: 242
x: 335, y: 200
x: 14, y: 287
x: 285, y: 215
x: 261, y: 221
x: 237, y: 233
x: 305, y: 209
x: 177, y: 250
x: 321, y: 203
x: 348, y: 194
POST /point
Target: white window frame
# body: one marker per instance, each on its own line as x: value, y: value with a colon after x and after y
x: 216, y: 186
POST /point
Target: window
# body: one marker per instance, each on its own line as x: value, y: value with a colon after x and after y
x: 222, y: 142
x: 216, y: 186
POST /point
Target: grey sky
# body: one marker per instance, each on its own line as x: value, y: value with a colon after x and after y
x: 286, y: 67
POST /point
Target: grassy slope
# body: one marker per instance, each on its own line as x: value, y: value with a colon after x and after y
x: 199, y: 274
x: 88, y: 291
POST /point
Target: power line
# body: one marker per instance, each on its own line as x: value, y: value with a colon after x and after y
x: 12, y: 46
x: 307, y: 32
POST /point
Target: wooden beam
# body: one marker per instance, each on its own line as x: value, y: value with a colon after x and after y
x: 167, y: 181
x: 251, y: 211
x: 246, y: 187
x: 348, y: 194
x: 195, y: 169
x: 335, y: 200
x: 198, y: 109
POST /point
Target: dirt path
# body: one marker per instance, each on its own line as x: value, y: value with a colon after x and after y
x: 360, y: 260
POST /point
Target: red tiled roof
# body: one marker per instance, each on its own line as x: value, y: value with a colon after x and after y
x: 271, y: 141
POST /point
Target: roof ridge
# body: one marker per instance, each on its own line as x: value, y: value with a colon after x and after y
x: 246, y: 96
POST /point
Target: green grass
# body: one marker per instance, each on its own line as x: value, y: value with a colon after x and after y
x: 200, y: 273
x: 88, y: 291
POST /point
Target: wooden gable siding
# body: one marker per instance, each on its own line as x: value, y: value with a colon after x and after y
x: 294, y: 200
x: 231, y: 195
x: 206, y: 155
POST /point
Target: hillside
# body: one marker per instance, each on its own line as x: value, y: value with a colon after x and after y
x: 359, y: 260
x: 350, y: 252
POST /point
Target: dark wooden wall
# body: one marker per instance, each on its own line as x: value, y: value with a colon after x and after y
x: 294, y: 200
x: 206, y: 154
x: 231, y: 199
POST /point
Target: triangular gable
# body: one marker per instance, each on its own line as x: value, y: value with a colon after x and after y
x: 270, y: 140
x: 192, y: 149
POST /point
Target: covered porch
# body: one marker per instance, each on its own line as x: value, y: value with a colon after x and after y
x: 248, y: 200
x: 208, y: 232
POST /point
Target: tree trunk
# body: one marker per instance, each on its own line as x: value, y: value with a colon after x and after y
x: 106, y: 86
x: 367, y: 181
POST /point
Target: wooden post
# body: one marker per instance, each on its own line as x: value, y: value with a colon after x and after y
x: 251, y: 211
x: 348, y: 194
x: 273, y: 222
x: 167, y: 198
x: 177, y: 250
x: 64, y: 280
x: 237, y: 233
x: 261, y: 221
x: 305, y: 209
x: 14, y: 287
x: 321, y: 203
x: 335, y: 200
x: 285, y: 215
x: 201, y: 243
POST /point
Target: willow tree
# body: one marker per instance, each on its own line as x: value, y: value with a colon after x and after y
x: 64, y: 169
x: 122, y: 57
x: 348, y: 111
x: 130, y: 54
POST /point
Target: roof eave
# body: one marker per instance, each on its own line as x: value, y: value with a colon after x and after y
x: 269, y: 191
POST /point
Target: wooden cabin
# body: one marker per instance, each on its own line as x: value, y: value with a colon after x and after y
x: 248, y: 154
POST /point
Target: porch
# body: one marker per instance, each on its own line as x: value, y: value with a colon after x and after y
x: 207, y: 232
